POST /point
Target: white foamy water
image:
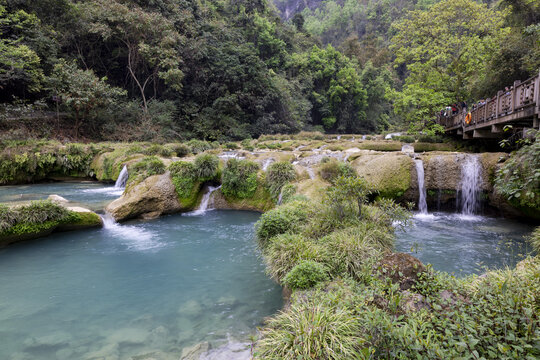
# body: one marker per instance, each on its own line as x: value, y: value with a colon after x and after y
x: 422, y: 204
x: 122, y: 178
x: 470, y: 187
x: 203, y: 208
x: 133, y: 237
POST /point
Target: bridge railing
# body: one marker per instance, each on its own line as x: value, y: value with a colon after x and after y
x: 520, y: 96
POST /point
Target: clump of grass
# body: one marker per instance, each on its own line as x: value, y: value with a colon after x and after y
x: 310, y: 331
x: 239, y: 178
x: 206, y: 166
x: 331, y: 169
x: 157, y: 149
x: 183, y: 177
x: 280, y: 220
x: 36, y: 216
x: 534, y: 240
x: 279, y: 174
x: 148, y: 166
x: 180, y: 149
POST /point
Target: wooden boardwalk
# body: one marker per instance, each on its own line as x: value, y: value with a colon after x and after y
x: 518, y: 106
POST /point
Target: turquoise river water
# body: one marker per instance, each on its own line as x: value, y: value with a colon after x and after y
x: 150, y: 287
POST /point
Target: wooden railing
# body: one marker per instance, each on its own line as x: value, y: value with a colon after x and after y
x: 520, y: 97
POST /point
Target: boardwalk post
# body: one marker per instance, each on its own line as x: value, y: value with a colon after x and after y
x: 497, y: 104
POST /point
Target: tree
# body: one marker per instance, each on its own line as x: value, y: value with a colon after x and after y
x: 150, y: 40
x: 346, y: 192
x: 445, y: 49
x: 20, y: 66
x: 81, y: 90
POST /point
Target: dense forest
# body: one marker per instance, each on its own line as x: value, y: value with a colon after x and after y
x: 234, y: 69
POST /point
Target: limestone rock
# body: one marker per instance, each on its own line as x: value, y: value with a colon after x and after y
x: 402, y: 268
x: 388, y: 173
x: 57, y: 199
x: 194, y: 352
x: 154, y: 196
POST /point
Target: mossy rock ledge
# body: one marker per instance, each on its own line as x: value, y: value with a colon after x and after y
x: 78, y: 219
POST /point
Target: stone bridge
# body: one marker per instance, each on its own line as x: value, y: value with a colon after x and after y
x: 518, y: 106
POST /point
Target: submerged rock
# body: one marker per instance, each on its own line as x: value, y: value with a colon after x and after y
x: 154, y: 196
x: 194, y: 352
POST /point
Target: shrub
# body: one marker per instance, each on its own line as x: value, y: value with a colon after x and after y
x: 288, y: 217
x: 288, y: 192
x: 331, y: 168
x: 231, y: 146
x: 409, y: 139
x: 279, y: 174
x: 239, y: 178
x: 180, y: 150
x: 183, y: 177
x: 199, y: 146
x: 156, y: 149
x: 519, y: 180
x: 431, y: 138
x: 310, y: 331
x: 148, y: 166
x: 206, y: 166
x: 306, y: 274
x: 287, y: 250
x: 246, y: 143
x: 8, y: 217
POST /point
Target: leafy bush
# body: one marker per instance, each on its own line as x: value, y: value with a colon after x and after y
x: 180, y: 150
x: 156, y: 149
x: 288, y: 192
x: 206, y: 166
x: 239, y: 178
x: 183, y: 177
x: 199, y: 146
x: 148, y: 166
x: 231, y: 146
x: 519, y: 178
x: 306, y: 274
x: 431, y: 138
x: 277, y: 175
x: 331, y: 168
x: 280, y: 220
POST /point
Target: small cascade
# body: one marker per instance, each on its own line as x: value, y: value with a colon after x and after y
x: 205, y: 201
x: 280, y: 198
x: 339, y: 137
x: 267, y: 163
x: 408, y: 149
x: 471, y: 181
x: 122, y: 178
x: 422, y: 205
x: 133, y: 237
x: 310, y: 172
x: 108, y: 221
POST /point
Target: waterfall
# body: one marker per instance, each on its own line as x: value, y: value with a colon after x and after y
x: 205, y: 200
x: 134, y: 237
x: 310, y: 172
x: 108, y: 221
x: 122, y: 178
x: 280, y: 198
x: 471, y: 181
x: 422, y: 205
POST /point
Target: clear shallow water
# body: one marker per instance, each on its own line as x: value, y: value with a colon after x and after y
x: 93, y: 195
x: 133, y: 289
x: 464, y: 244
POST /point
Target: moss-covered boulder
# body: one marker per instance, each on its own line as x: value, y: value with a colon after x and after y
x: 41, y: 218
x: 154, y: 196
x: 387, y: 173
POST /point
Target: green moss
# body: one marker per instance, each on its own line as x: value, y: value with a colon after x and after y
x: 260, y: 200
x: 82, y: 219
x: 380, y: 145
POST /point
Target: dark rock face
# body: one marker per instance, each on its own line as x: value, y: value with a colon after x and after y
x: 402, y: 268
x: 288, y: 8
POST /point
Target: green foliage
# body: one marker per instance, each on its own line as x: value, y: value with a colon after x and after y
x: 305, y: 275
x: 445, y: 49
x: 151, y: 165
x: 156, y: 149
x: 311, y: 331
x: 287, y: 217
x: 519, y: 178
x: 180, y: 150
x: 183, y: 177
x: 239, y: 179
x: 199, y: 146
x: 347, y: 195
x: 278, y: 174
x: 331, y: 169
x: 206, y: 166
x: 34, y: 217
